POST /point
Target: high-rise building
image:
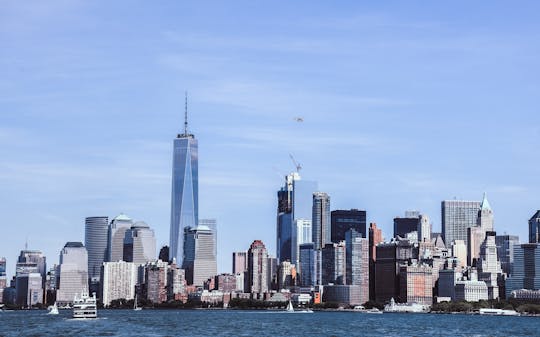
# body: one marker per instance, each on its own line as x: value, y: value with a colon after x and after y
x: 185, y: 190
x: 199, y: 259
x: 357, y: 262
x: 3, y: 278
x: 257, y: 268
x: 459, y: 251
x: 333, y: 263
x: 390, y: 256
x: 489, y: 267
x: 239, y: 262
x: 164, y: 253
x: 475, y: 236
x: 117, y: 233
x: 375, y: 237
x: 457, y: 216
x: 295, y: 200
x: 416, y: 284
x: 413, y: 225
x: 176, y: 282
x: 526, y: 268
x: 286, y: 275
x: 155, y: 281
x: 321, y: 220
x: 96, y: 242
x: 72, y: 273
x: 272, y: 271
x: 534, y: 228
x: 344, y: 220
x: 119, y: 280
x: 139, y: 244
x: 505, y: 251
x: 212, y: 224
x: 485, y: 215
x: 225, y: 283
x: 308, y: 258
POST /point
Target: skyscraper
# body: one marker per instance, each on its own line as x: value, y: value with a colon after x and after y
x: 505, y: 251
x: 139, y: 244
x: 375, y: 237
x: 333, y: 263
x: 212, y: 224
x: 199, y: 259
x: 96, y: 242
x: 257, y: 268
x: 72, y: 274
x: 295, y: 200
x: 117, y: 232
x: 119, y: 280
x: 357, y: 262
x: 343, y: 220
x: 457, y: 216
x: 30, y: 278
x: 321, y: 220
x: 526, y: 269
x: 239, y: 262
x: 413, y: 225
x: 489, y: 266
x: 534, y: 228
x: 185, y: 190
x: 308, y: 258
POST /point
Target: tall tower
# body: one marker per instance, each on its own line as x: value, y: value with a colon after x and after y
x: 257, y: 268
x: 95, y: 239
x: 185, y: 190
x: 321, y: 220
x: 457, y: 216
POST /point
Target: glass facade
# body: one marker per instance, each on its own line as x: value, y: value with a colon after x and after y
x: 96, y: 242
x: 344, y: 220
x: 457, y: 216
x: 185, y: 192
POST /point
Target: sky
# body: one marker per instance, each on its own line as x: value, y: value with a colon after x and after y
x: 405, y: 104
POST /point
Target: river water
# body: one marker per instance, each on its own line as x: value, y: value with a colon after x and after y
x: 261, y: 323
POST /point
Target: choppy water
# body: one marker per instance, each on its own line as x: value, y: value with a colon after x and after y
x: 261, y: 323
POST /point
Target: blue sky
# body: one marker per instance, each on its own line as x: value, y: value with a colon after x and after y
x: 404, y: 104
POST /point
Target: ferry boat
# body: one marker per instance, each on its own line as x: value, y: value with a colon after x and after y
x: 405, y: 307
x: 85, y: 306
x: 497, y: 312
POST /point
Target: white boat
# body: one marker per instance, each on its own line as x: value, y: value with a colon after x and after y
x: 290, y: 307
x: 497, y: 312
x: 53, y: 309
x: 85, y: 306
x: 135, y: 307
x: 362, y: 309
x: 405, y: 307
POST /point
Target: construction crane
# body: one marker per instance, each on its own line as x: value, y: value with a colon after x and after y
x: 296, y: 164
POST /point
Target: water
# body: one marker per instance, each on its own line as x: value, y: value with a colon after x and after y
x: 261, y: 323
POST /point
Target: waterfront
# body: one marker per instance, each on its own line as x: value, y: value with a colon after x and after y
x: 260, y: 323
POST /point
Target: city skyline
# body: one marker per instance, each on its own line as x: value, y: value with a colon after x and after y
x: 86, y: 126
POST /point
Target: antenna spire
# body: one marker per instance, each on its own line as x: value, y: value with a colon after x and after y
x: 185, y: 117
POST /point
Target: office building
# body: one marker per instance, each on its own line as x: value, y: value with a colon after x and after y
x: 308, y: 266
x: 212, y: 224
x: 295, y: 200
x: 375, y: 237
x: 350, y: 295
x: 119, y: 281
x: 176, y: 283
x: 485, y: 216
x: 3, y: 278
x: 225, y: 283
x: 416, y: 284
x: 413, y: 225
x: 117, y: 233
x: 344, y: 220
x: 475, y: 237
x: 257, y: 268
x: 286, y: 275
x: 72, y: 273
x: 96, y: 242
x: 357, y: 262
x: 333, y: 263
x: 139, y: 244
x: 526, y: 268
x: 29, y: 289
x: 534, y: 228
x: 199, y: 259
x: 239, y: 262
x: 489, y: 267
x: 321, y: 220
x: 457, y: 216
x: 459, y: 251
x: 155, y: 281
x: 505, y: 251
x: 185, y: 190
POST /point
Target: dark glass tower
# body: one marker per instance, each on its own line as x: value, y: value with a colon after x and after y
x: 344, y: 220
x: 185, y: 191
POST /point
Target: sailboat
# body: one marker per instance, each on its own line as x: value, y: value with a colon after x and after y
x: 53, y: 309
x: 290, y: 307
x: 135, y: 307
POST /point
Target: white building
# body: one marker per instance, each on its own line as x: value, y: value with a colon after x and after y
x: 72, y: 274
x: 119, y: 280
x: 459, y: 251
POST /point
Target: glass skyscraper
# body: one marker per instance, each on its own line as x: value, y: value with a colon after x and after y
x: 457, y: 216
x: 185, y: 191
x: 96, y: 233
